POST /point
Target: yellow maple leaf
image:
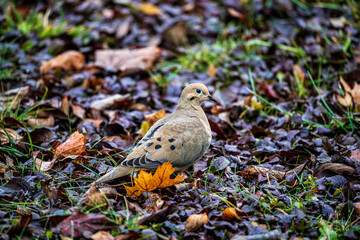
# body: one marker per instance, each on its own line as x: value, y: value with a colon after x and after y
x: 147, y: 182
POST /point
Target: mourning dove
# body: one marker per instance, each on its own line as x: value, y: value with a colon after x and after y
x: 181, y: 137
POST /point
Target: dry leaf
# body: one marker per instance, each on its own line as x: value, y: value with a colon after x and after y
x: 175, y: 33
x: 336, y: 168
x: 74, y: 145
x: 95, y: 197
x: 127, y: 61
x: 41, y: 122
x: 102, y: 235
x: 355, y: 155
x: 211, y: 72
x: 357, y: 208
x: 235, y: 13
x: 149, y: 9
x: 78, y: 111
x: 108, y: 102
x: 123, y: 29
x: 266, y: 172
x: 351, y: 94
x: 43, y: 165
x: 196, y: 221
x: 12, y: 98
x: 229, y: 214
x: 69, y: 61
x: 356, y: 93
x: 7, y: 133
x: 154, y: 117
x: 147, y: 182
x: 345, y: 101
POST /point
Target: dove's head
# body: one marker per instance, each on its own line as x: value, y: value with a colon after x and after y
x: 194, y: 94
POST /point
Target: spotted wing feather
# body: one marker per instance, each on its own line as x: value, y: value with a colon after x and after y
x: 177, y: 141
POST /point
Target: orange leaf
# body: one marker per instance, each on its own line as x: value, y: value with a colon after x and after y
x: 74, y: 145
x: 147, y: 182
x: 229, y: 214
x: 154, y: 117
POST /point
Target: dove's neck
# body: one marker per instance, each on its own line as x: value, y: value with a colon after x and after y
x: 193, y: 110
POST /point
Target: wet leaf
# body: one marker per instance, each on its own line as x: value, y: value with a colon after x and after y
x: 74, y: 145
x: 327, y: 169
x: 80, y: 225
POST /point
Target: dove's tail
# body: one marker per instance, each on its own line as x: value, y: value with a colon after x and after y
x: 117, y: 172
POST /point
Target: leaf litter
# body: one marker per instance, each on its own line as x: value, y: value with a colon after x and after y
x: 82, y: 83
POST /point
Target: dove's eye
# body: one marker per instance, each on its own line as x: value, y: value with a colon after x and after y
x: 198, y: 91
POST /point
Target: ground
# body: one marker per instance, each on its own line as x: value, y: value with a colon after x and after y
x: 80, y: 80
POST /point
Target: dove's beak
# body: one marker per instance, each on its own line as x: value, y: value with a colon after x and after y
x: 211, y: 98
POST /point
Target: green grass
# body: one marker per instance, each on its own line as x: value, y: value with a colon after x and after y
x: 40, y: 23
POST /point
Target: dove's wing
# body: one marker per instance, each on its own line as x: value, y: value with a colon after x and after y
x: 181, y: 141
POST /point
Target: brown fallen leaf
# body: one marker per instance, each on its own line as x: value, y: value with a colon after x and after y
x: 44, y: 165
x: 335, y: 169
x: 229, y: 214
x: 149, y: 9
x: 346, y: 100
x: 146, y: 182
x: 196, y: 221
x: 266, y: 172
x: 78, y: 111
x: 154, y: 117
x: 80, y: 224
x: 102, y: 235
x: 175, y: 34
x: 355, y: 155
x: 12, y: 98
x: 6, y: 134
x: 41, y: 122
x: 20, y: 224
x: 127, y: 61
x: 128, y: 236
x: 69, y: 61
x: 156, y: 217
x: 352, y: 94
x: 108, y: 102
x: 95, y: 197
x: 74, y: 145
x: 357, y: 208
